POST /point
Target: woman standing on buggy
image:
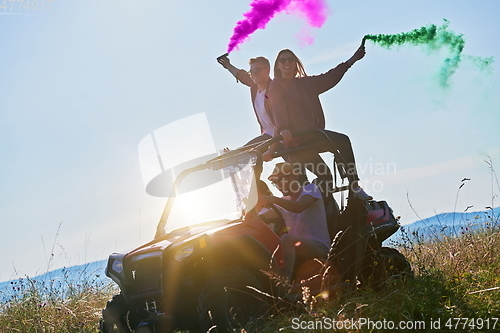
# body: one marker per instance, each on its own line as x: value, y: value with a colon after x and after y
x: 295, y: 105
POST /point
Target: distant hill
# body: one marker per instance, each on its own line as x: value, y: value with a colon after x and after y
x: 449, y: 224
x: 63, y: 279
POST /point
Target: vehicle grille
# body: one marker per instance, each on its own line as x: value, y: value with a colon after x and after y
x: 144, y: 276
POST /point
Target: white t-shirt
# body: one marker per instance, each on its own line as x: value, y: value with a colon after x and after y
x: 264, y: 119
x: 311, y: 223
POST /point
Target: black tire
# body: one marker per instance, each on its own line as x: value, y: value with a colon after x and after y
x: 227, y: 303
x: 396, y: 265
x: 372, y: 274
x: 382, y: 266
x: 114, y: 316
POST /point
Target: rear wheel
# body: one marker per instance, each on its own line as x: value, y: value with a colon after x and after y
x: 227, y: 303
x: 382, y: 266
x: 113, y: 316
x: 396, y: 265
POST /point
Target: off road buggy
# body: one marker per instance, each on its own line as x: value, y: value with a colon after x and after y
x: 208, y: 267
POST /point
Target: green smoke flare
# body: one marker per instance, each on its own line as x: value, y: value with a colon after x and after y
x: 435, y: 37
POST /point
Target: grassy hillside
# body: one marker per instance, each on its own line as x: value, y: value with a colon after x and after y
x: 454, y: 278
x: 54, y: 305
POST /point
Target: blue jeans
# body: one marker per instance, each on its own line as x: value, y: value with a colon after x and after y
x: 300, y: 248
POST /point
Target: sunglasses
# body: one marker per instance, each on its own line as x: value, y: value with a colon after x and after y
x: 285, y: 59
x: 256, y: 71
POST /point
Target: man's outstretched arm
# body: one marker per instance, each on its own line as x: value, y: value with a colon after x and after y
x: 240, y: 74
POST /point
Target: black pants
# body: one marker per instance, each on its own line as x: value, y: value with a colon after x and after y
x: 338, y: 144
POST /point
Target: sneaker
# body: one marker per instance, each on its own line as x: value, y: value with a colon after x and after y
x: 360, y: 194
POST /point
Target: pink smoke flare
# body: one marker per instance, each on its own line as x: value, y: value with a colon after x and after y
x: 262, y: 11
x: 314, y: 11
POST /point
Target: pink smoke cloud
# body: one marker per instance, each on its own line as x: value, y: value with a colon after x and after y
x: 314, y: 11
x: 262, y: 11
x: 304, y: 36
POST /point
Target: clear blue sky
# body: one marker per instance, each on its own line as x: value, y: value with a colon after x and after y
x: 83, y: 83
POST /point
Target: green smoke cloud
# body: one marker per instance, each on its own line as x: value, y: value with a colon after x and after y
x: 435, y: 38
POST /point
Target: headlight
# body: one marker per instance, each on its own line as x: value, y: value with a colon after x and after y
x: 117, y: 266
x: 184, y: 252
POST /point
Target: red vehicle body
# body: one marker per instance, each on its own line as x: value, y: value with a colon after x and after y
x: 195, y: 274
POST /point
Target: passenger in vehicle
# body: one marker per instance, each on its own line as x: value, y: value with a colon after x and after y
x: 304, y: 213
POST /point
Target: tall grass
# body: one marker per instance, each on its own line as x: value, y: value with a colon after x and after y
x: 56, y: 305
x: 454, y: 277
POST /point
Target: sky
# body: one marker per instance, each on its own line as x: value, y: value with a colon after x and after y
x: 82, y: 83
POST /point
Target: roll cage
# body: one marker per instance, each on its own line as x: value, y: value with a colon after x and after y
x: 321, y: 143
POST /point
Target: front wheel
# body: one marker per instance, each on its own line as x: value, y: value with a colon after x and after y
x: 227, y: 303
x: 114, y: 316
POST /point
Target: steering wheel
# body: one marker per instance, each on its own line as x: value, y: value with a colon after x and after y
x: 279, y: 226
